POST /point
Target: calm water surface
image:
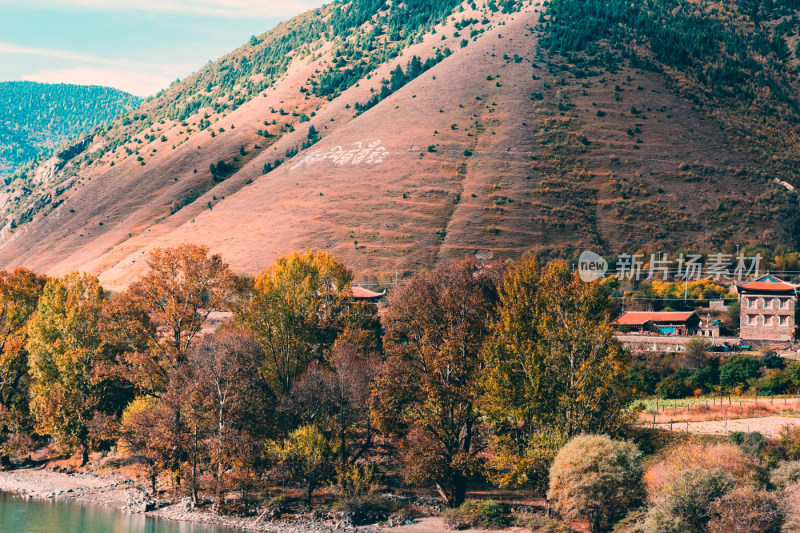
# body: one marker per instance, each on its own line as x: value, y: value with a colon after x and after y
x: 35, y: 516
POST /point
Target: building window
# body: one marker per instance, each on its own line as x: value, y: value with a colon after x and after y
x: 783, y: 320
x: 783, y: 303
x: 767, y: 303
x: 767, y: 320
x: 751, y: 303
x: 751, y: 320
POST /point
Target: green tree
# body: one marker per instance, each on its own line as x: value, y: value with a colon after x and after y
x: 738, y: 370
x: 436, y: 326
x: 65, y: 347
x: 596, y: 478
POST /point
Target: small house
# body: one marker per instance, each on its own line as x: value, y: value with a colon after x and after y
x: 684, y: 323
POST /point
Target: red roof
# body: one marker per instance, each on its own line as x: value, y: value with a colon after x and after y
x: 767, y: 283
x: 360, y: 293
x: 636, y: 318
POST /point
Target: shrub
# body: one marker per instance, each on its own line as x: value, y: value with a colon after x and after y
x: 705, y: 377
x: 642, y: 379
x: 366, y: 510
x: 305, y: 459
x: 596, y: 478
x: 673, y: 386
x: 540, y: 524
x: 775, y: 381
x: 746, y: 510
x: 738, y: 370
x: 354, y: 482
x: 771, y: 359
x: 484, y: 514
x: 741, y: 467
x: 789, y: 441
x: 785, y: 474
x: 752, y: 443
x: 791, y: 508
x: 687, y: 504
x: 793, y: 370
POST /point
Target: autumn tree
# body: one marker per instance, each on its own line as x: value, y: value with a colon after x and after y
x: 19, y: 296
x: 436, y: 326
x: 64, y: 348
x: 156, y: 319
x: 238, y: 404
x: 143, y: 435
x: 695, y: 354
x: 336, y: 396
x: 159, y: 315
x: 554, y: 369
x: 295, y: 311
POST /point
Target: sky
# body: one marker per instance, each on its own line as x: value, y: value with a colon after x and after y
x: 138, y: 46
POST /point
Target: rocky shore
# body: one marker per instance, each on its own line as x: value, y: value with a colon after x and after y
x: 125, y: 495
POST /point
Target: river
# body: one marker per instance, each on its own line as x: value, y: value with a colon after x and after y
x: 18, y: 515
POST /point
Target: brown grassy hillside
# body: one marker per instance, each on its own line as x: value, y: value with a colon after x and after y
x: 495, y: 146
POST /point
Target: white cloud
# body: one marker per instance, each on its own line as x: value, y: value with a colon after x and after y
x: 142, y: 79
x: 219, y: 8
x: 15, y: 49
x: 138, y: 83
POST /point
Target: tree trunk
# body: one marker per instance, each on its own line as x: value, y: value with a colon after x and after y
x: 176, y: 461
x: 594, y: 522
x: 309, y: 491
x: 194, y: 467
x: 153, y: 480
x: 84, y: 455
x: 459, y: 491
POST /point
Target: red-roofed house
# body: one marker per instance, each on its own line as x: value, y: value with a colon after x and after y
x: 360, y: 294
x: 767, y: 309
x: 662, y: 322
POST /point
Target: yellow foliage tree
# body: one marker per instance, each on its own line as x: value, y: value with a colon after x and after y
x: 295, y: 312
x: 64, y: 347
x: 19, y: 295
x: 554, y: 369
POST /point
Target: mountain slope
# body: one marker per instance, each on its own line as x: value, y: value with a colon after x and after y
x: 37, y: 117
x: 432, y: 138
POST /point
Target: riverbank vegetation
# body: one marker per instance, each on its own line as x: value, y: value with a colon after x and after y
x: 495, y: 378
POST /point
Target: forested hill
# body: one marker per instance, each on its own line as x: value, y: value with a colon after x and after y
x: 399, y: 134
x: 40, y: 116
